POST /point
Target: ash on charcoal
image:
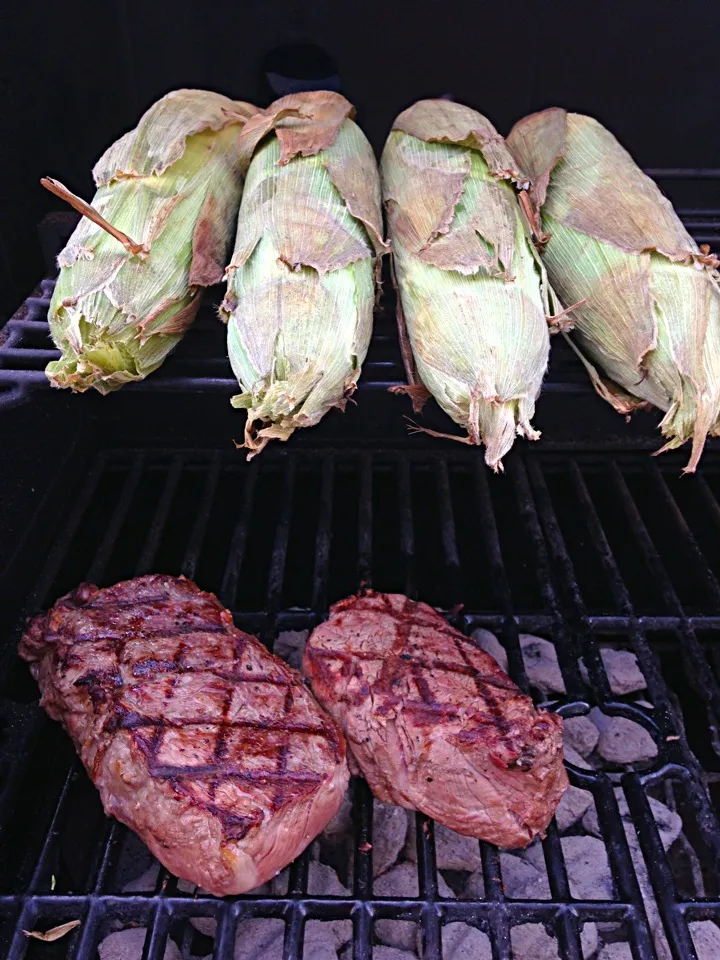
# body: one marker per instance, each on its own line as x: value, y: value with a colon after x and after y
x: 572, y: 756
x: 335, y: 846
x: 616, y: 951
x: 646, y: 891
x: 128, y: 945
x: 706, y: 937
x: 401, y: 882
x: 322, y: 882
x: 290, y: 646
x: 390, y: 828
x: 322, y: 934
x: 588, y: 868
x: 622, y: 741
x: 522, y: 880
x: 531, y: 941
x: 146, y: 882
x: 460, y: 941
x: 668, y: 822
x: 341, y: 824
x: 260, y: 939
x: 319, y: 951
x: 453, y: 851
x: 623, y: 673
x: 572, y: 807
x: 541, y: 664
x: 580, y: 734
x: 381, y: 952
x: 490, y: 644
x: 474, y: 886
x: 534, y: 854
x: 208, y: 925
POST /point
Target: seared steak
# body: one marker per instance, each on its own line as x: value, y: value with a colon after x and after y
x: 196, y: 737
x: 433, y: 722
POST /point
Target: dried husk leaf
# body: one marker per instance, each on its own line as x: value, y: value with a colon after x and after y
x: 49, y: 936
x: 474, y: 299
x: 301, y: 283
x: 173, y: 184
x: 650, y: 329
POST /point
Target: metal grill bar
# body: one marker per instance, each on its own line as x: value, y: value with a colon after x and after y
x: 236, y: 554
x: 561, y: 614
x: 323, y: 540
x: 501, y: 585
x: 152, y: 542
x: 407, y: 535
x: 708, y: 577
x: 192, y: 553
x: 96, y: 570
x: 561, y: 562
x: 652, y: 848
x: 365, y: 521
x: 700, y: 672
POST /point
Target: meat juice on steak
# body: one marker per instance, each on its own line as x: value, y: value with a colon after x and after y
x: 433, y: 722
x: 196, y: 737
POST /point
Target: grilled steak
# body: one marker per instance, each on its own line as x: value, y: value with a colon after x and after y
x: 196, y: 737
x: 433, y: 722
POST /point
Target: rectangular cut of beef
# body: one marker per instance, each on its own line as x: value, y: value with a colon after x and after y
x: 197, y: 738
x: 433, y: 722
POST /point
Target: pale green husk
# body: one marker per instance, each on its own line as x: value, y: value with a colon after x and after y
x: 301, y: 283
x: 172, y: 184
x: 650, y: 329
x: 473, y: 293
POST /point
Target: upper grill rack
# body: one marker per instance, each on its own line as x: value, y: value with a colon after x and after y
x: 200, y: 362
x: 571, y: 549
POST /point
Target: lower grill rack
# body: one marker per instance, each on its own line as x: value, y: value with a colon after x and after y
x: 596, y: 577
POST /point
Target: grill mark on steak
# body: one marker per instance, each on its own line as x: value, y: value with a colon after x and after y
x: 502, y: 683
x: 128, y: 720
x: 220, y: 748
x: 282, y: 755
x: 494, y: 705
x: 106, y: 687
x: 427, y: 706
x: 137, y: 632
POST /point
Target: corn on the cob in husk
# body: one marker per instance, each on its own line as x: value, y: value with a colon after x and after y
x: 649, y: 332
x: 301, y: 283
x: 472, y: 294
x: 168, y: 195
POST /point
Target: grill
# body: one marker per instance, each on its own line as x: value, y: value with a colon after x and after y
x: 585, y: 542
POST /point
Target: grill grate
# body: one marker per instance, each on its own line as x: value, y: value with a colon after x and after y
x: 587, y: 551
x: 200, y: 361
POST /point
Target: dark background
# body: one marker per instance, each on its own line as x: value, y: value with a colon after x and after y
x: 75, y: 75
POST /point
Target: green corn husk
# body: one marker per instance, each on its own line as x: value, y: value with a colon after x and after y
x: 474, y: 303
x: 649, y: 332
x: 173, y: 185
x: 302, y: 280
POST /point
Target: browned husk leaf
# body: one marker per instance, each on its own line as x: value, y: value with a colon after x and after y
x: 49, y: 936
x: 305, y: 124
